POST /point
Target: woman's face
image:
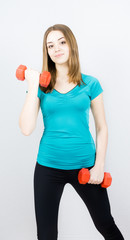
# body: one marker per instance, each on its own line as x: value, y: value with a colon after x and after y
x: 56, y: 45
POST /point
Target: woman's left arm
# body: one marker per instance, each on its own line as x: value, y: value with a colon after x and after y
x: 97, y: 172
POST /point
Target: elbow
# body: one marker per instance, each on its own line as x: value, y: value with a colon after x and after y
x: 26, y: 132
x: 26, y: 129
x: 104, y: 127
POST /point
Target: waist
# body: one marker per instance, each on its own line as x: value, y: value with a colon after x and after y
x: 66, y: 140
x: 74, y: 150
x: 67, y: 156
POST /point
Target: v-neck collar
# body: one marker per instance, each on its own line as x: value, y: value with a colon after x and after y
x: 66, y: 92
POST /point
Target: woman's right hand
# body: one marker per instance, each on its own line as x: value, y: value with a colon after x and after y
x: 32, y: 76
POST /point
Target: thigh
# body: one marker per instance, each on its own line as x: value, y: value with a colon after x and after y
x: 48, y: 188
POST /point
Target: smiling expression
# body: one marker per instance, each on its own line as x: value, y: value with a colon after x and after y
x: 57, y: 47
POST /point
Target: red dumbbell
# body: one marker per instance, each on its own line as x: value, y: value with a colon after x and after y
x: 44, y: 78
x: 84, y: 175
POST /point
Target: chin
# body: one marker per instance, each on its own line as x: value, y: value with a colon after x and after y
x: 62, y: 61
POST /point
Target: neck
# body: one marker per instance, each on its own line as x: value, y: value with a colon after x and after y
x: 62, y: 73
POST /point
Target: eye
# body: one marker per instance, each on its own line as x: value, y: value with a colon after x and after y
x: 50, y: 46
x: 63, y: 42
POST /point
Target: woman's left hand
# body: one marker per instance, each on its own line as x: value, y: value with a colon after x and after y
x: 96, y: 175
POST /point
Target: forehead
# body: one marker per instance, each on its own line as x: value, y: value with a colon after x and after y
x: 54, y: 36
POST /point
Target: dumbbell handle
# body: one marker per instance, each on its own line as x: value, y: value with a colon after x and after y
x: 44, y: 78
x: 84, y: 176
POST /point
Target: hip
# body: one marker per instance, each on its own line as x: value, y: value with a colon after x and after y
x: 67, y: 157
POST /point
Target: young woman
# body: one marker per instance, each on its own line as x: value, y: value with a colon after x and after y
x: 66, y: 145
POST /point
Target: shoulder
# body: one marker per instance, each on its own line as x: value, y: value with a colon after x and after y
x: 89, y: 79
x: 40, y: 93
x: 94, y: 87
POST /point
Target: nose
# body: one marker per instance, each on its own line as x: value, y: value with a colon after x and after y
x: 57, y: 48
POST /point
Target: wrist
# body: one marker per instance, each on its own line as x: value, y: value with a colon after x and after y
x: 32, y: 88
x: 99, y: 165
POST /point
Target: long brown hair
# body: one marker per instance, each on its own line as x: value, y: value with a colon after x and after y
x: 74, y: 71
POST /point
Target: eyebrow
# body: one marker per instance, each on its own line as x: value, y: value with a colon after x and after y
x: 58, y: 39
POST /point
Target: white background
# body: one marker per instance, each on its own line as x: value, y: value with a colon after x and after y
x: 102, y: 31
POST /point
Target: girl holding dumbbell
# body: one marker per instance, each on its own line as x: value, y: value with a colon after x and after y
x: 67, y: 146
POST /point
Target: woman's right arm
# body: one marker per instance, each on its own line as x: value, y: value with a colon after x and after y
x: 29, y: 113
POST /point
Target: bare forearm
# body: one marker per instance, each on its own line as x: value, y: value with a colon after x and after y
x: 29, y: 112
x: 101, y: 146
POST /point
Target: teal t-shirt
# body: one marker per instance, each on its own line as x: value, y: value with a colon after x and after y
x: 66, y: 142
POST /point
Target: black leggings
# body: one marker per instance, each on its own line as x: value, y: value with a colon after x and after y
x: 48, y: 188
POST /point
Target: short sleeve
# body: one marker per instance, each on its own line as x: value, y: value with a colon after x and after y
x: 95, y: 89
x: 39, y: 92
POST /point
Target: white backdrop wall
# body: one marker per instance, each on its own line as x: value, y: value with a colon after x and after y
x: 102, y: 32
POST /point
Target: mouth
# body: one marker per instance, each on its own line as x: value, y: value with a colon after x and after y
x: 59, y: 55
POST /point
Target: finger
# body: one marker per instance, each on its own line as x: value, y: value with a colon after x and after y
x: 90, y: 181
x: 93, y: 182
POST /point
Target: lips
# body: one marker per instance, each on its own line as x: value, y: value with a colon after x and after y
x: 58, y: 55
